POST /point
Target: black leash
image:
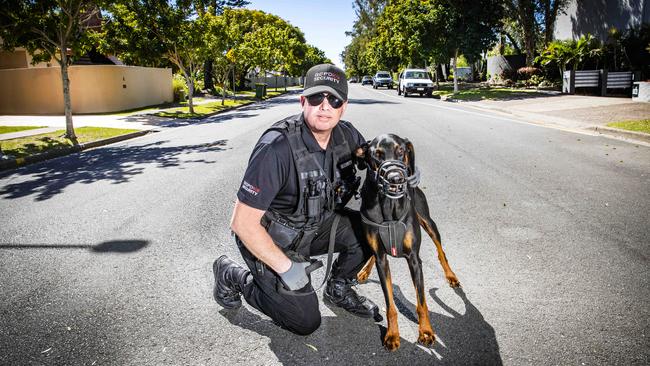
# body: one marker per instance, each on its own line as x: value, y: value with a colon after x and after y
x: 316, y: 264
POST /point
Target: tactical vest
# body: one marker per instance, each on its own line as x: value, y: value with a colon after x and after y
x: 318, y: 196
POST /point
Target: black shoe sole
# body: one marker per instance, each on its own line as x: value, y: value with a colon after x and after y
x: 215, y: 270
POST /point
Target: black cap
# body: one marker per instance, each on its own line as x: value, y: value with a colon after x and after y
x: 326, y: 78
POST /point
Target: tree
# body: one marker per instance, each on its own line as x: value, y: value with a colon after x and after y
x: 523, y: 11
x: 214, y: 7
x: 533, y: 16
x: 471, y: 27
x: 264, y: 41
x: 49, y: 30
x: 550, y: 10
x: 150, y: 29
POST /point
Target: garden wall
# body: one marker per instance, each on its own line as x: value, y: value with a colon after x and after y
x: 93, y: 89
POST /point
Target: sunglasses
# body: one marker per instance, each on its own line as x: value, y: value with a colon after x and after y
x: 317, y: 99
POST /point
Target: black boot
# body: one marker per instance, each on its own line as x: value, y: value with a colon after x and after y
x: 229, y: 280
x: 340, y: 293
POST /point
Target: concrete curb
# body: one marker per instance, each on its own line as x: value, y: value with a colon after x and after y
x: 621, y: 133
x: 18, y: 162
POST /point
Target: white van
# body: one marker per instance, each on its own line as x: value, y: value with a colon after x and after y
x: 415, y: 81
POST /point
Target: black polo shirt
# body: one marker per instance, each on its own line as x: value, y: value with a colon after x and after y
x: 271, y: 180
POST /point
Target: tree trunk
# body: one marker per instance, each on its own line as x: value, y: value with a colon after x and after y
x: 67, y: 103
x: 190, y: 102
x: 190, y: 92
x: 529, y: 39
x: 550, y: 15
x: 456, y: 71
x: 234, y: 84
x: 526, y: 12
x: 208, y: 83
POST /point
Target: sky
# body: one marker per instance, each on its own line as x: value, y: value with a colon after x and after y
x: 324, y: 23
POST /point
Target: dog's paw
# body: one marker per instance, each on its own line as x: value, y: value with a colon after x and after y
x: 427, y: 337
x: 453, y: 281
x: 391, y: 342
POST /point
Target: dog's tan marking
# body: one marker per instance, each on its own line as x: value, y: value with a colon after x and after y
x: 408, y: 242
x: 391, y: 339
x: 426, y: 335
x: 364, y: 273
x: 449, y: 274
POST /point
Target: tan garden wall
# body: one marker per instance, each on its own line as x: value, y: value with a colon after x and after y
x: 93, y: 89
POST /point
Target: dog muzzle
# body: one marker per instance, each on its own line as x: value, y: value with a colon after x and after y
x: 392, y: 178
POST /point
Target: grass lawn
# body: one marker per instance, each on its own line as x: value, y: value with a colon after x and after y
x: 642, y: 125
x: 10, y: 129
x: 201, y: 109
x: 30, y: 145
x: 493, y: 94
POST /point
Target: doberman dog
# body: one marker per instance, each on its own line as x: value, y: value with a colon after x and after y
x: 392, y: 209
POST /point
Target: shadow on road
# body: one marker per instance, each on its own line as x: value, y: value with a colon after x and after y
x: 113, y: 246
x: 116, y: 164
x: 345, y: 339
x: 462, y: 339
x: 370, y: 101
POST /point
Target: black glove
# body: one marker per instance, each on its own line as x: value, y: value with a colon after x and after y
x: 296, y: 277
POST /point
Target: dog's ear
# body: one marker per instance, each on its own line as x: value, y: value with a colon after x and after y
x: 361, y: 155
x: 410, y: 155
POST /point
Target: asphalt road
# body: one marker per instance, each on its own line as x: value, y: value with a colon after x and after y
x: 105, y: 256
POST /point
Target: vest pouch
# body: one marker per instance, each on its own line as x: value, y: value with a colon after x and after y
x: 282, y: 235
x: 314, y: 207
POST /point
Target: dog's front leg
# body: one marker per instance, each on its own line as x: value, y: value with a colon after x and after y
x: 391, y: 339
x: 426, y: 335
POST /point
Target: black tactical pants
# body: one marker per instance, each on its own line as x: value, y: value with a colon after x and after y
x: 300, y: 314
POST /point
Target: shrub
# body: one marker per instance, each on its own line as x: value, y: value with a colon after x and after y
x: 180, y: 88
x: 508, y: 74
x: 534, y: 80
x: 525, y: 73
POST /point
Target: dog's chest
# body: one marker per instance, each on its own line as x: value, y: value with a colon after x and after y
x: 392, y: 237
x: 391, y: 233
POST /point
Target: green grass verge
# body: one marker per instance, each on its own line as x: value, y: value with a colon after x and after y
x: 36, y: 144
x: 493, y: 94
x: 642, y: 125
x: 10, y: 129
x: 201, y: 109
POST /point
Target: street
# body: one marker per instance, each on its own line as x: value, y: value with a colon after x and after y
x: 106, y: 255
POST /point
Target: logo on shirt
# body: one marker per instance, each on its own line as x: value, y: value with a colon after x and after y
x: 250, y: 188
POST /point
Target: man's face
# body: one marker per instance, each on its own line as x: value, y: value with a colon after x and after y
x: 322, y: 117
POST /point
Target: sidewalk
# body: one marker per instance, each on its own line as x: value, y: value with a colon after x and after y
x: 143, y: 120
x: 573, y: 112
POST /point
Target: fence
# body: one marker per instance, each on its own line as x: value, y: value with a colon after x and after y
x: 274, y: 81
x: 601, y: 79
x: 93, y: 89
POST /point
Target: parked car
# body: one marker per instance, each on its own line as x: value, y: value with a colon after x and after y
x: 415, y: 81
x: 353, y: 79
x: 382, y: 78
x: 366, y: 80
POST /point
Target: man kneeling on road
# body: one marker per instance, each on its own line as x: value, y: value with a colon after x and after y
x: 299, y: 178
